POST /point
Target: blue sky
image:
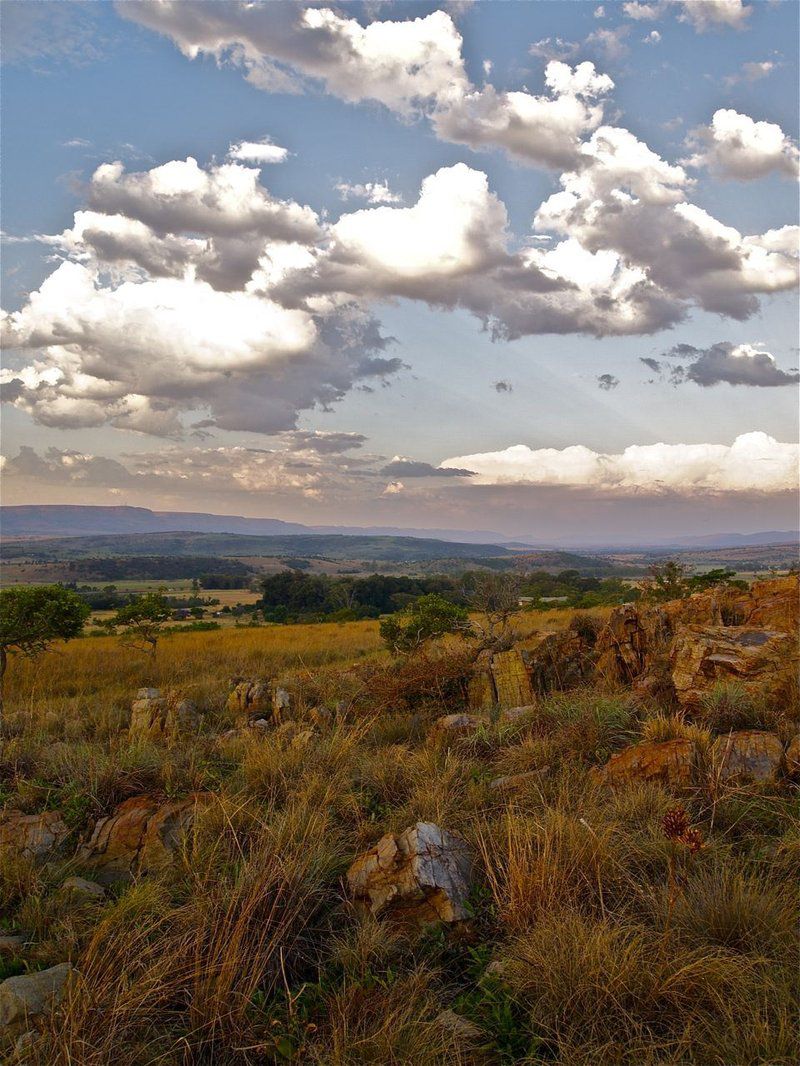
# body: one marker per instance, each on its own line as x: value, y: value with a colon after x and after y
x: 522, y: 323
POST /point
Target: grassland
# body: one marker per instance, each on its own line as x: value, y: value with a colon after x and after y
x: 612, y: 947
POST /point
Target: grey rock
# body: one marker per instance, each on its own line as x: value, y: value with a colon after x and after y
x: 30, y: 995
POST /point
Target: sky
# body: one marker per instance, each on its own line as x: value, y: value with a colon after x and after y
x: 527, y: 267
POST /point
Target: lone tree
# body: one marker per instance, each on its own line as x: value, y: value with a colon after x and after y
x: 426, y: 618
x: 495, y: 598
x: 142, y: 621
x: 33, y: 616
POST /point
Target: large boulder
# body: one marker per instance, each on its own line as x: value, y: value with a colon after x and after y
x: 142, y: 835
x: 667, y: 762
x: 156, y: 717
x: 704, y: 656
x: 30, y: 995
x: 33, y: 836
x: 749, y: 755
x: 424, y: 874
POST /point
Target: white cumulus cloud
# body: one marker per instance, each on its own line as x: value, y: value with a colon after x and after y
x: 754, y: 462
x: 736, y: 146
x: 257, y: 152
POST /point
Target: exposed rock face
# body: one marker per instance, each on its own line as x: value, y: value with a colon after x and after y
x: 451, y: 726
x: 29, y: 995
x: 774, y: 604
x: 703, y: 656
x: 626, y: 642
x: 424, y: 874
x: 34, y: 836
x: 250, y: 699
x: 667, y: 762
x: 562, y: 661
x: 747, y: 755
x: 155, y: 717
x: 140, y: 836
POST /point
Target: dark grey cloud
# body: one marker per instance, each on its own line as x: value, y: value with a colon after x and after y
x: 732, y: 364
x: 652, y: 364
x: 415, y: 468
x: 323, y: 443
x: 607, y: 382
x: 503, y: 386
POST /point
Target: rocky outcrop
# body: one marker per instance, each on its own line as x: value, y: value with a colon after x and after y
x: 256, y: 700
x: 33, y: 836
x: 423, y: 874
x: 142, y: 835
x: 688, y: 645
x: 158, y: 717
x: 667, y: 762
x: 748, y: 755
x: 30, y: 995
x: 704, y: 656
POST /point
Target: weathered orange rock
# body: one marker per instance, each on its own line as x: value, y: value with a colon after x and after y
x: 748, y: 754
x: 775, y: 604
x: 562, y: 660
x: 704, y: 656
x: 668, y: 762
x: 424, y: 874
x: 142, y: 835
x: 34, y: 836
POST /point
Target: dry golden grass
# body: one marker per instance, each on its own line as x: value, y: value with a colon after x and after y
x: 248, y: 951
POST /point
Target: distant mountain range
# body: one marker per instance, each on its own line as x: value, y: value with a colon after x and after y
x: 69, y: 520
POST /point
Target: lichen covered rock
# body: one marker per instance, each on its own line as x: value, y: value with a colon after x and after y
x: 424, y: 874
